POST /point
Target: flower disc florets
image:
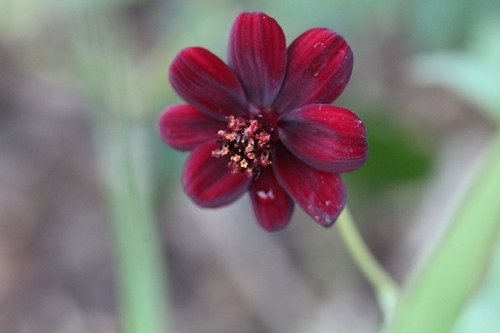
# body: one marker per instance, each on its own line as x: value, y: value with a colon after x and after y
x: 247, y: 143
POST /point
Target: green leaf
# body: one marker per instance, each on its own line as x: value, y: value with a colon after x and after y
x: 467, y: 75
x: 473, y: 75
x: 438, y: 24
x: 433, y: 302
x: 395, y: 157
x: 481, y: 314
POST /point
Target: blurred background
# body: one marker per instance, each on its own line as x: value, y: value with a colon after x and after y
x: 82, y: 84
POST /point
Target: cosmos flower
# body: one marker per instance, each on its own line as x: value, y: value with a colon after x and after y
x: 264, y: 123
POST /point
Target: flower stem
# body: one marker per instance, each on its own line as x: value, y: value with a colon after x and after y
x: 105, y: 65
x: 386, y: 289
x: 140, y: 269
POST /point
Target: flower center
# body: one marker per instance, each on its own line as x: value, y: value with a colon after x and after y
x: 247, y: 143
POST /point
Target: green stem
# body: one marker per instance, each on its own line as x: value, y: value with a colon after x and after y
x: 386, y: 289
x: 105, y: 67
x: 140, y: 267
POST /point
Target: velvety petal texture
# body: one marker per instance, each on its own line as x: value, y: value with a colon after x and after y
x: 264, y: 123
x: 322, y: 195
x: 257, y: 55
x: 327, y: 137
x: 272, y: 206
x: 204, y: 81
x: 208, y: 181
x: 319, y: 65
x: 183, y: 127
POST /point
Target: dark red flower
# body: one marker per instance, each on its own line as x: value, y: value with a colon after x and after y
x: 264, y: 124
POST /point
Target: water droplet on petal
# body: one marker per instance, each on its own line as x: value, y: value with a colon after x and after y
x: 265, y: 196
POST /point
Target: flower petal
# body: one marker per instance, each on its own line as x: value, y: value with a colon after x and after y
x: 257, y: 55
x: 184, y: 128
x: 321, y: 195
x: 207, y: 179
x: 272, y: 206
x: 203, y: 80
x: 327, y: 137
x: 319, y: 66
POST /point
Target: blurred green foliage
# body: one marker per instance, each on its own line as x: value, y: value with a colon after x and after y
x: 473, y: 74
x: 481, y: 314
x: 395, y: 156
x: 433, y: 300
